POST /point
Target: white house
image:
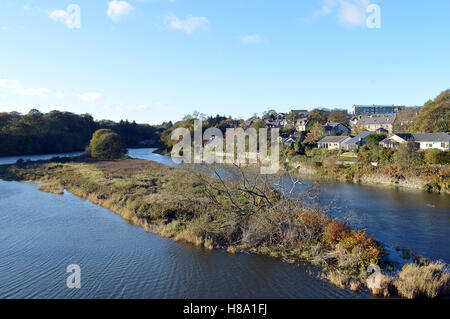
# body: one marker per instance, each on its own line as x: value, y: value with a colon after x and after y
x: 300, y: 124
x: 333, y: 142
x: 424, y: 141
x: 433, y: 140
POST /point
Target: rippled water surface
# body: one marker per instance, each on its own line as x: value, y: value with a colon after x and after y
x: 41, y: 234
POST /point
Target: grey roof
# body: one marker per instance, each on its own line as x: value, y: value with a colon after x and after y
x: 332, y: 126
x: 405, y: 136
x: 356, y: 139
x: 431, y: 137
x: 333, y: 139
x: 423, y: 137
x: 381, y: 119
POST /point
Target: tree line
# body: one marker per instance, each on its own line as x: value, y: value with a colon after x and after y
x: 63, y: 132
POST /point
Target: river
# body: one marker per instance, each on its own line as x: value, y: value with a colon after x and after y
x: 41, y: 234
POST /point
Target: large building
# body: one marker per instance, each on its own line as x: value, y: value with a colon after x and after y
x: 373, y: 123
x: 377, y: 109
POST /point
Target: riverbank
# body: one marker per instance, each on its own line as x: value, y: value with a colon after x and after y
x: 435, y: 180
x: 181, y: 205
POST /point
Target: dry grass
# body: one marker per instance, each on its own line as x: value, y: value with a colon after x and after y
x: 189, y: 237
x: 53, y: 187
x: 355, y: 285
x: 338, y: 278
x: 387, y: 287
x: 428, y: 281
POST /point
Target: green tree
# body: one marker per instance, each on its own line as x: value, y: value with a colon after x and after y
x: 435, y: 156
x: 408, y: 156
x: 374, y: 139
x: 434, y: 116
x: 339, y: 116
x: 106, y: 144
x: 318, y: 115
x: 316, y: 133
x: 298, y: 148
x: 270, y: 115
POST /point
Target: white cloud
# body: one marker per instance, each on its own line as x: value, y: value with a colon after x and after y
x: 349, y: 12
x: 90, y: 96
x: 118, y: 10
x: 250, y: 39
x: 16, y: 88
x: 187, y: 25
x: 70, y: 17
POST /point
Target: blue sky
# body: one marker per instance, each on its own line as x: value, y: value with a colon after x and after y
x: 157, y: 60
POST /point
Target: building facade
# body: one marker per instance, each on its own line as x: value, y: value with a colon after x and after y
x: 300, y: 124
x: 373, y: 123
x: 377, y: 109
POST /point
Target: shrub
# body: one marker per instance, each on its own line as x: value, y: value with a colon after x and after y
x: 106, y: 144
x: 334, y: 232
x: 373, y: 140
x: 436, y: 156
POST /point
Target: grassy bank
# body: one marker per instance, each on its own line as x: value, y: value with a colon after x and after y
x: 242, y: 215
x: 434, y: 178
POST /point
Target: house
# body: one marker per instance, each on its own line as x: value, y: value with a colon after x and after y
x: 331, y: 129
x: 273, y: 124
x: 424, y: 141
x: 354, y: 143
x: 300, y: 124
x: 394, y: 141
x: 428, y: 141
x: 373, y: 123
x: 353, y: 121
x: 377, y: 109
x: 292, y: 139
x: 405, y: 118
x: 332, y: 142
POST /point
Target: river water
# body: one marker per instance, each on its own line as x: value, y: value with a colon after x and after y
x: 41, y: 234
